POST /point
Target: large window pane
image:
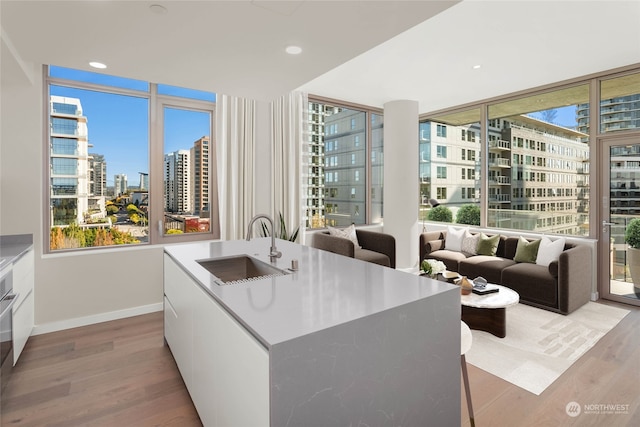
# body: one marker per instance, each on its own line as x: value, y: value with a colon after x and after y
x: 97, y: 140
x: 620, y: 104
x: 538, y: 163
x: 450, y: 151
x: 345, y: 170
x: 187, y: 146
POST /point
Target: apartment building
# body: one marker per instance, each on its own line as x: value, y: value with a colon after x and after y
x: 338, y: 164
x: 177, y: 182
x: 537, y: 172
x: 69, y: 155
x: 121, y: 185
x: 200, y: 175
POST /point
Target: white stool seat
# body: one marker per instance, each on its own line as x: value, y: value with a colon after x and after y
x: 465, y: 338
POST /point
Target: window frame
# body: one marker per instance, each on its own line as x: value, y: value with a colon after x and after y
x: 155, y: 159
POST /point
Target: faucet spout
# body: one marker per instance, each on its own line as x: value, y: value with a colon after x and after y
x: 273, y: 251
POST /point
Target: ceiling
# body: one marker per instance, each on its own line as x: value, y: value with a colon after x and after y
x: 366, y: 52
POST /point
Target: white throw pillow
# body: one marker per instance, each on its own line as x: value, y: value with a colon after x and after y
x: 348, y: 233
x: 453, y: 242
x: 470, y: 243
x: 549, y: 250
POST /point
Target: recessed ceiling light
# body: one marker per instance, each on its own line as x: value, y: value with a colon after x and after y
x: 293, y: 50
x: 95, y: 64
x: 475, y: 67
x: 158, y: 9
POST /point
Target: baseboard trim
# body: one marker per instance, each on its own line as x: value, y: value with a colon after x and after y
x: 97, y: 318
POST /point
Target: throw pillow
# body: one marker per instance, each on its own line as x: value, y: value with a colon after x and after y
x: 347, y: 233
x: 549, y: 250
x: 470, y: 243
x: 526, y: 251
x: 453, y: 241
x: 488, y: 245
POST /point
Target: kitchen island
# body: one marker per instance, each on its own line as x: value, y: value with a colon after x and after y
x: 337, y: 342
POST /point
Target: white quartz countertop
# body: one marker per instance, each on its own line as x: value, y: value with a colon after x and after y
x: 327, y: 289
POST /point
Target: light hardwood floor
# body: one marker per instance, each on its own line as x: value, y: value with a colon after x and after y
x: 121, y: 374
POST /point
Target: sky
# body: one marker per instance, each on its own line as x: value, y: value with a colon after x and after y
x: 118, y: 125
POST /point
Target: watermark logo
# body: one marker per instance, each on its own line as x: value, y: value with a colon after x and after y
x: 573, y: 409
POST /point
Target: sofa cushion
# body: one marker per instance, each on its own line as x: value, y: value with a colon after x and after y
x: 371, y: 256
x: 453, y: 240
x: 533, y: 282
x: 470, y: 243
x: 347, y: 233
x: 450, y: 258
x: 488, y: 245
x: 489, y: 267
x: 550, y: 250
x: 526, y: 251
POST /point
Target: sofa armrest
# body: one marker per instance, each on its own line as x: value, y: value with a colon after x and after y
x: 574, y: 278
x: 425, y: 246
x: 337, y: 245
x: 378, y: 242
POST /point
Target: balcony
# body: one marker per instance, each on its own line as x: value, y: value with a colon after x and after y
x: 500, y: 198
x: 499, y: 163
x: 500, y: 144
x: 500, y: 180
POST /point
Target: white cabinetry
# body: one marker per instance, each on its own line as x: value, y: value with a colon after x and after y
x: 23, y: 282
x: 225, y: 369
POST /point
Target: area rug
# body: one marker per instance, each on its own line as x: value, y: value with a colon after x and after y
x: 541, y: 345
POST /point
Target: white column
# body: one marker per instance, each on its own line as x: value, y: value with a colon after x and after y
x: 401, y: 179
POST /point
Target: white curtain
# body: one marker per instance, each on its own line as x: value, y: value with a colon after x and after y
x: 289, y: 157
x: 235, y: 137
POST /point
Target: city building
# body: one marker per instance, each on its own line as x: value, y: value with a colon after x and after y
x: 200, y: 176
x: 537, y: 173
x: 144, y: 181
x: 120, y: 184
x: 177, y: 182
x: 69, y: 161
x: 337, y: 166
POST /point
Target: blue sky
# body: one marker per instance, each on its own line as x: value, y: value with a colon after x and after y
x: 118, y: 125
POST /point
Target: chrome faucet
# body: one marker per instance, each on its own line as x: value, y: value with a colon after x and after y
x: 273, y: 252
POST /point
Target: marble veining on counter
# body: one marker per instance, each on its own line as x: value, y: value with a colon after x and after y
x: 327, y: 289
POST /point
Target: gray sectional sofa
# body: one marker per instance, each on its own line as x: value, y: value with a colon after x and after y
x: 562, y: 287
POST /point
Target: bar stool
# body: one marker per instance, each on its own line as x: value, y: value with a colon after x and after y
x: 465, y: 346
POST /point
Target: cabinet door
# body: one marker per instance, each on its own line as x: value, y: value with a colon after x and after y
x: 178, y: 315
x: 22, y: 325
x: 231, y: 369
x: 23, y: 310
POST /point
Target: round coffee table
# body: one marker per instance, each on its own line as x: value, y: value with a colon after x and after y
x: 488, y: 312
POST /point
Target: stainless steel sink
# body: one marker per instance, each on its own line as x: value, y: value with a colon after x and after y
x: 239, y: 269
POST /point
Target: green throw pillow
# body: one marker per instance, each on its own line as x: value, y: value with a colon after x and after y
x: 488, y: 245
x: 527, y: 251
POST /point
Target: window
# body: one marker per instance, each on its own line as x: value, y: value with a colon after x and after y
x: 356, y: 139
x: 441, y: 130
x: 105, y: 160
x: 441, y: 151
x: 441, y: 193
x: 442, y: 172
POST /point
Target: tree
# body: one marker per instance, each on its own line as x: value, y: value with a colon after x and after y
x: 468, y: 214
x: 440, y: 213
